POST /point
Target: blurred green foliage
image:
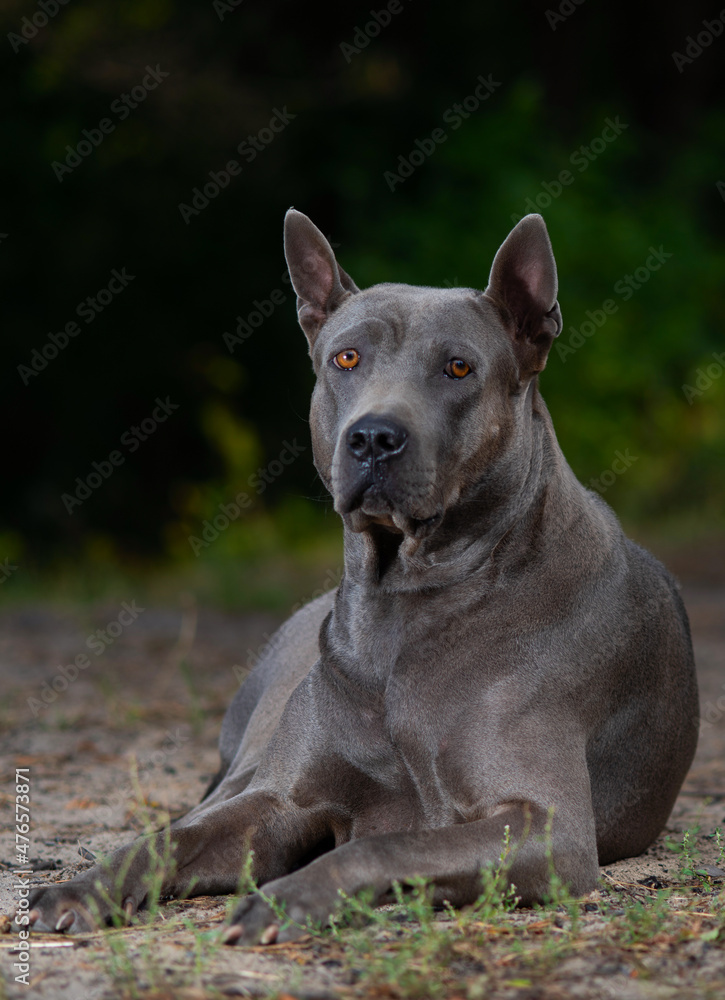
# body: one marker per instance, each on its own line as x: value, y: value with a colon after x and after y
x: 350, y: 119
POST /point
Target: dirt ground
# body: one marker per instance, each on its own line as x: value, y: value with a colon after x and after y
x: 155, y: 694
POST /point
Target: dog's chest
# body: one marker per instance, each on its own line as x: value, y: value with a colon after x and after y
x: 391, y: 758
x: 390, y: 701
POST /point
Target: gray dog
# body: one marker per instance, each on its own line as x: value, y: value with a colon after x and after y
x: 497, y: 654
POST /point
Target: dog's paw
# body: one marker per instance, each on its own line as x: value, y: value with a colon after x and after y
x: 283, y: 911
x: 72, y: 909
x: 60, y: 909
x: 254, y: 922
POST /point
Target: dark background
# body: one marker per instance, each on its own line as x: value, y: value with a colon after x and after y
x: 229, y: 72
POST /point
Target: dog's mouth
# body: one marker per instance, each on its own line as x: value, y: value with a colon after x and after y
x: 370, y: 505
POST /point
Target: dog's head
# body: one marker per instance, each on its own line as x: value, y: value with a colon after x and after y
x: 420, y: 391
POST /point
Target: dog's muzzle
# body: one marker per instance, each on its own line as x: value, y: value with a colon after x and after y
x: 371, y: 446
x: 374, y: 483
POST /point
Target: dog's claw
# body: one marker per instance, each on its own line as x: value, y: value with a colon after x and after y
x: 129, y: 907
x: 237, y: 932
x: 270, y: 934
x: 65, y: 920
x: 33, y: 916
x: 232, y: 934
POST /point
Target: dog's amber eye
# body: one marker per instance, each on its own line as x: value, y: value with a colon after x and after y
x: 346, y: 359
x: 456, y: 368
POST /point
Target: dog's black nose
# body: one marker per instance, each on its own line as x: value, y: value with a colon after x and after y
x: 376, y: 438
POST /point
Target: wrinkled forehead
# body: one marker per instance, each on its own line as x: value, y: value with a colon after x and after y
x: 391, y: 315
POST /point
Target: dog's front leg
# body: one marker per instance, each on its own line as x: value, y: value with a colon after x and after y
x: 451, y: 857
x: 204, y: 854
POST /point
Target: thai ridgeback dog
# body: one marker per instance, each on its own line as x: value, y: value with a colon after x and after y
x: 498, y: 654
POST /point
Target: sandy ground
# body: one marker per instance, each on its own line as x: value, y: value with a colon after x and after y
x: 155, y: 695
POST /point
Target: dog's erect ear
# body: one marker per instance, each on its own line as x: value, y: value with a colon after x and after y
x: 320, y: 282
x: 523, y: 285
